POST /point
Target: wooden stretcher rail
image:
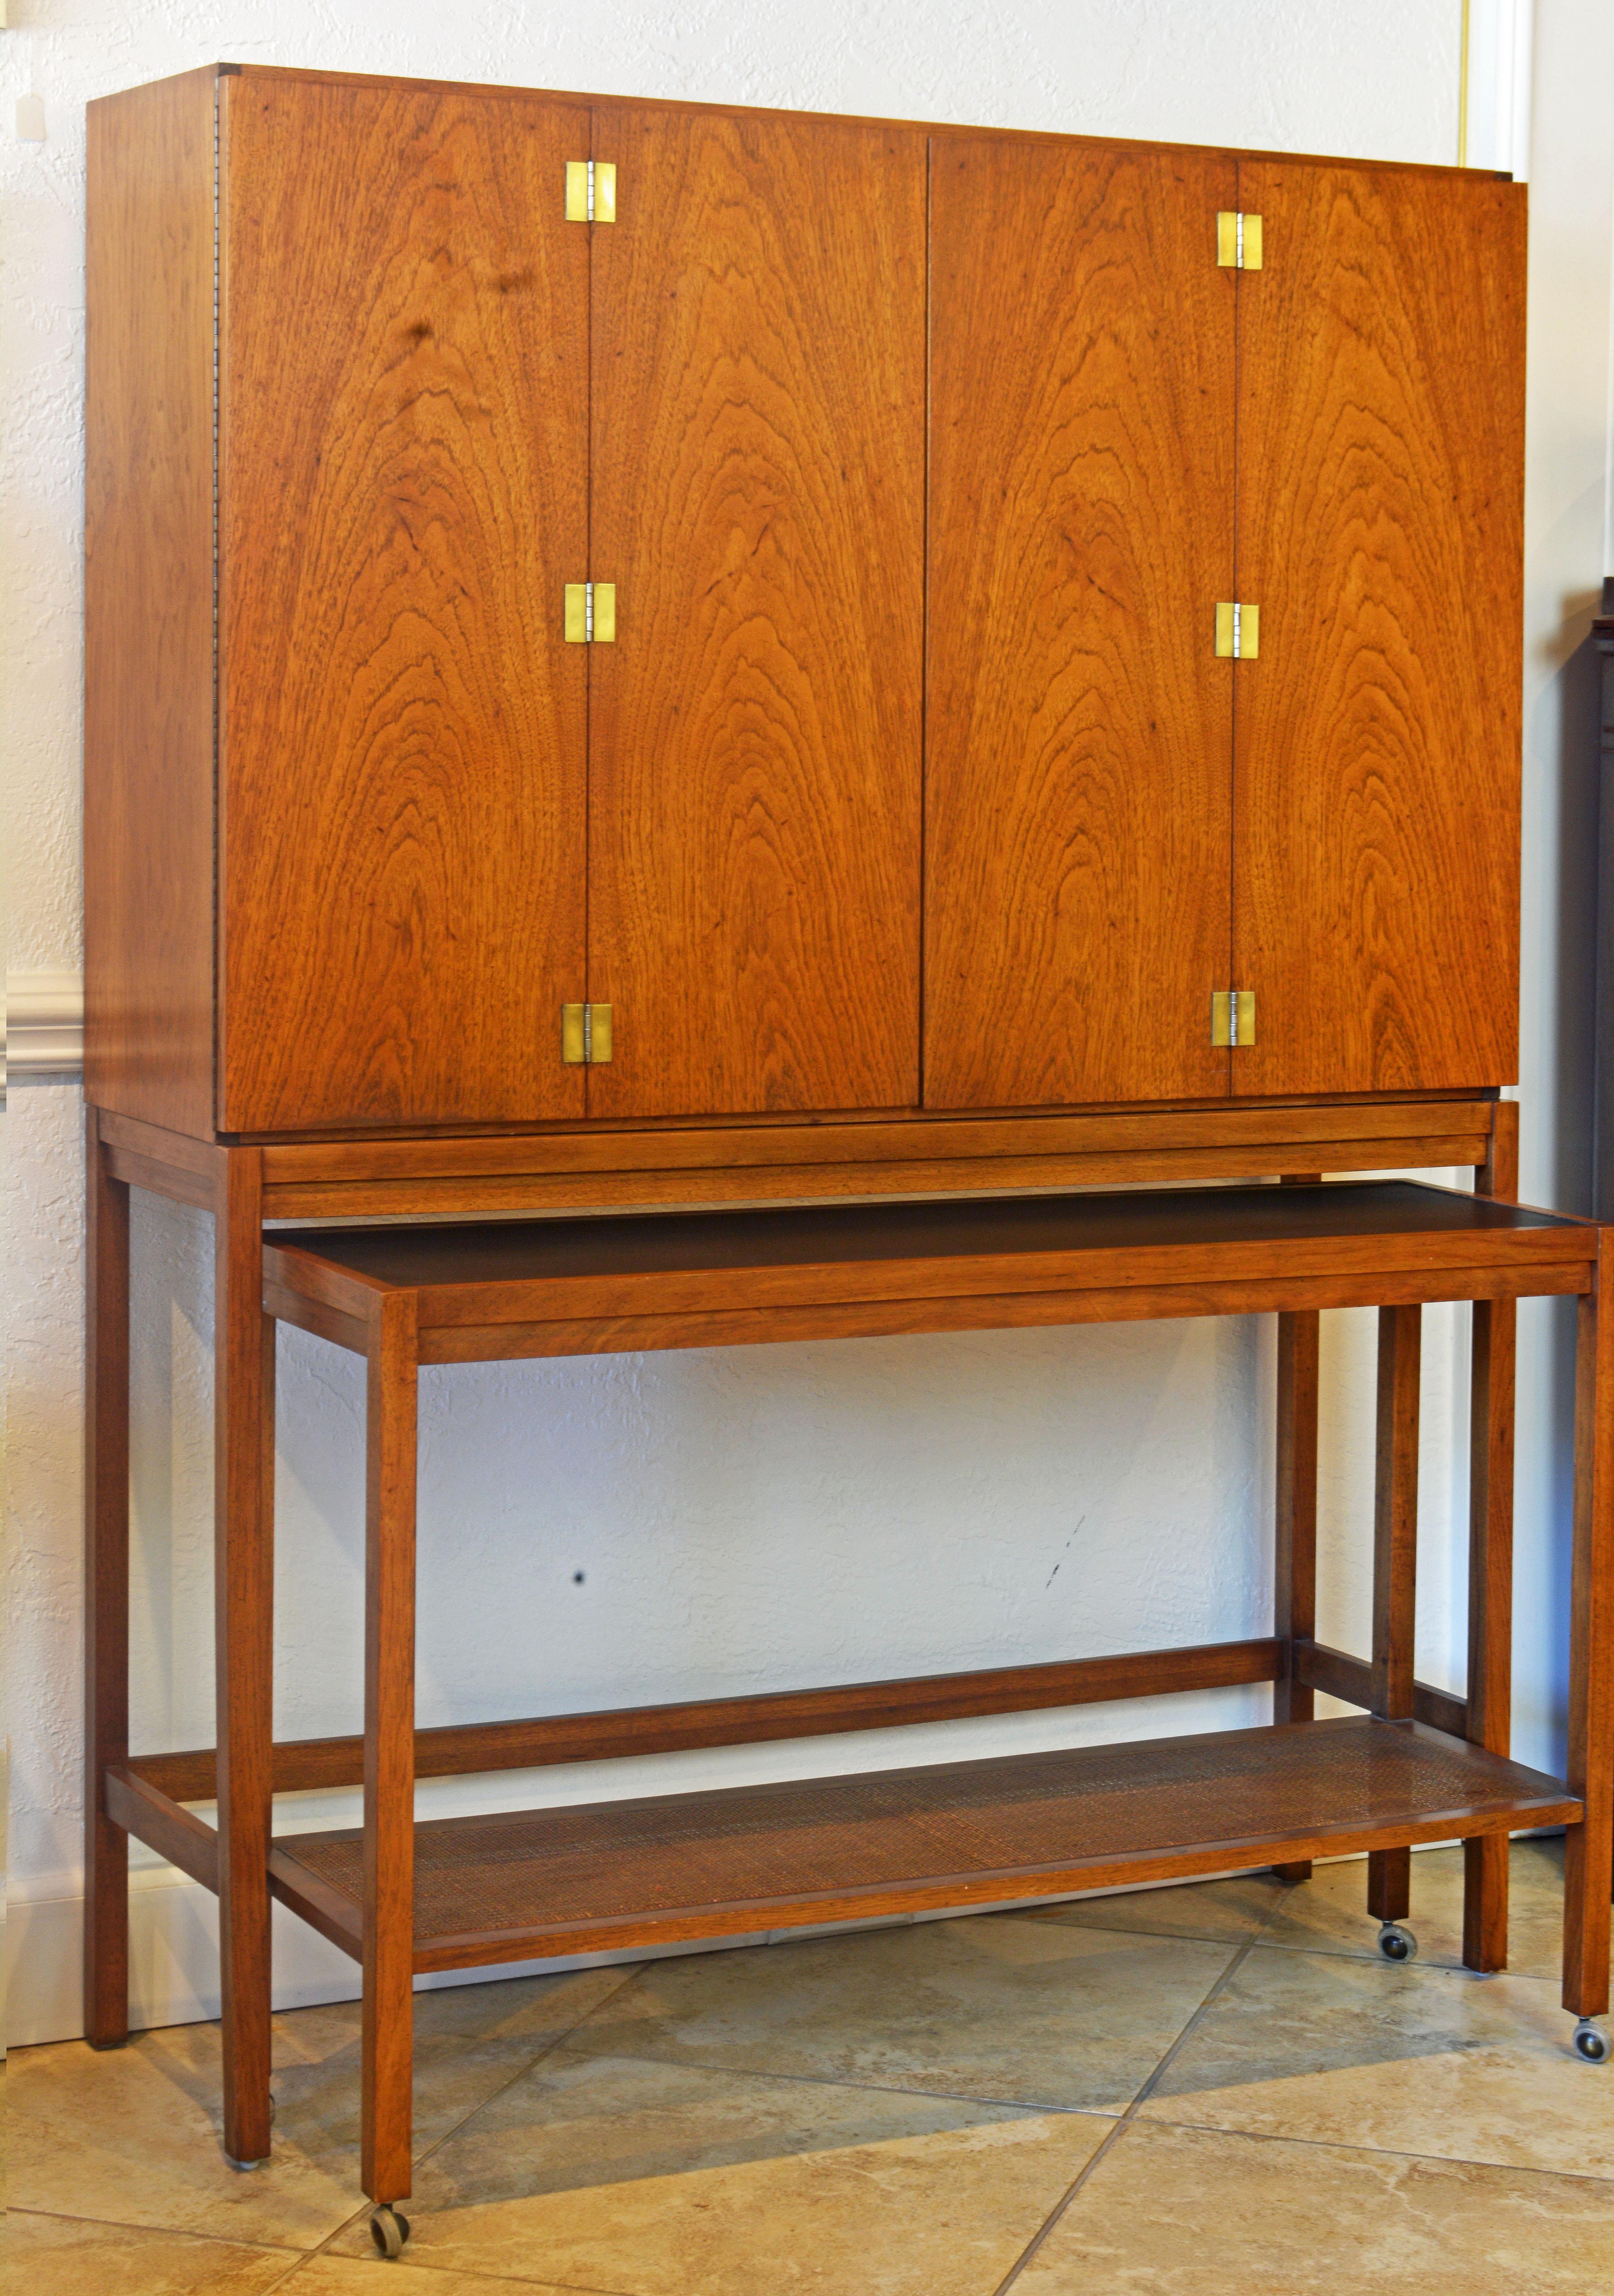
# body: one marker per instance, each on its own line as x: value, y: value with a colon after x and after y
x: 602, y: 1168
x: 686, y: 1145
x: 456, y: 1197
x: 978, y: 1312
x: 464, y: 1750
x: 156, y: 1819
x: 1339, y: 1674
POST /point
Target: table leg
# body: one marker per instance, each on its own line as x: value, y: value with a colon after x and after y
x: 106, y: 1593
x: 1589, y: 1847
x: 389, y: 1917
x: 1490, y: 1651
x: 243, y: 1603
x: 1295, y: 1576
x: 1395, y: 1566
x: 1490, y: 1662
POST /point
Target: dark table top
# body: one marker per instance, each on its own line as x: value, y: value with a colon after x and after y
x: 793, y: 1236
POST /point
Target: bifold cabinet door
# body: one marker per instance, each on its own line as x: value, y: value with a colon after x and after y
x: 403, y: 491
x: 1380, y: 421
x: 757, y: 500
x: 1078, y: 775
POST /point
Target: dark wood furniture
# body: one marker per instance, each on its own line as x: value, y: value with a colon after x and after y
x: 1080, y: 579
x: 1047, y: 717
x: 1423, y: 1766
x: 1602, y: 632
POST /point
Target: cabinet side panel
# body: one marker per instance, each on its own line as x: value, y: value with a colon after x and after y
x: 1604, y: 1160
x: 759, y: 501
x: 149, y: 718
x: 403, y: 496
x: 1079, y: 727
x: 1380, y: 531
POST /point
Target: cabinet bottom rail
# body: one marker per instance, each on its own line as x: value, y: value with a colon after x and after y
x: 731, y: 1862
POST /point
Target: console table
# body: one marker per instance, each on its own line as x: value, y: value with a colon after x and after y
x: 1418, y: 1766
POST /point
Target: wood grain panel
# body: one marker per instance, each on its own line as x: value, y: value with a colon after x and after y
x: 403, y: 480
x: 1077, y: 796
x: 757, y: 499
x: 1377, y: 786
x: 148, y: 604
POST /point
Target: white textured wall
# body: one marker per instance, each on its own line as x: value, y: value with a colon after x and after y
x: 741, y: 1519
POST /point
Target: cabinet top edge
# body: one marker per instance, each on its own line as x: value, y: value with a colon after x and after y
x: 941, y: 128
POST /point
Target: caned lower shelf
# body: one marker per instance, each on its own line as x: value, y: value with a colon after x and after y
x: 726, y: 1863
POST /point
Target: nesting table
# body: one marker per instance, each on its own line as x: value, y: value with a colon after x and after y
x: 1416, y: 1764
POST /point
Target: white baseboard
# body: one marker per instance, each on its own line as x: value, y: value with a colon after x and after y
x: 44, y: 1026
x: 173, y: 1961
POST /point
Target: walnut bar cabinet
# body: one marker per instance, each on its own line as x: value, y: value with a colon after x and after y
x: 692, y: 662
x: 1420, y: 1764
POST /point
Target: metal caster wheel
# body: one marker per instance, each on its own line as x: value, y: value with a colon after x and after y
x: 1592, y: 2043
x: 1396, y: 1944
x: 389, y: 2229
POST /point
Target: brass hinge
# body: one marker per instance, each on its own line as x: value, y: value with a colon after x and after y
x: 1238, y: 240
x: 586, y: 1035
x: 1238, y: 631
x: 1233, y: 1016
x: 591, y: 613
x: 591, y: 191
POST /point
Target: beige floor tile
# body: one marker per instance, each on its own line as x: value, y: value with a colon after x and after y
x: 1401, y: 2060
x: 1329, y: 1914
x: 1021, y: 2011
x: 132, y: 2135
x: 469, y: 2041
x: 58, y: 2256
x: 354, y: 2275
x: 671, y: 2180
x: 1181, y: 2212
x: 1231, y: 1910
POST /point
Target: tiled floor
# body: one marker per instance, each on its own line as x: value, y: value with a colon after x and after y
x: 1218, y: 2089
